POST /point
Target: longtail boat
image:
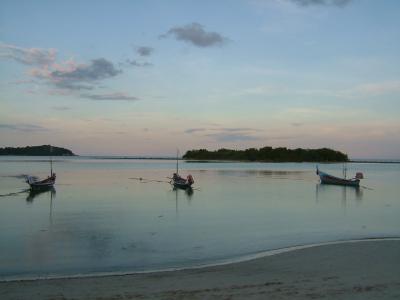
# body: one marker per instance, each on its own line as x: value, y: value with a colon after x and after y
x: 41, y: 184
x: 330, y: 179
x: 44, y: 184
x: 181, y: 182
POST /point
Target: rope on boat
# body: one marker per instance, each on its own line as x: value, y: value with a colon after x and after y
x: 145, y: 180
x: 367, y: 188
x: 15, y: 193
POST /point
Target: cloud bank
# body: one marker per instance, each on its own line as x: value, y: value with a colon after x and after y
x: 321, y: 2
x: 227, y: 134
x: 22, y: 127
x: 97, y: 69
x: 232, y: 137
x: 61, y: 108
x: 144, y: 50
x: 74, y: 77
x: 135, y: 63
x: 28, y: 56
x: 195, y: 34
x: 67, y: 75
x: 110, y: 97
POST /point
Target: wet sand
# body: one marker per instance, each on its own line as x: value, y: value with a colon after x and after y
x: 364, y: 270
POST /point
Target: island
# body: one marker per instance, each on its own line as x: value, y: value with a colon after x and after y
x: 43, y: 150
x: 269, y: 154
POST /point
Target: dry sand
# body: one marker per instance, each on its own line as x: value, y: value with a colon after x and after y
x: 362, y: 270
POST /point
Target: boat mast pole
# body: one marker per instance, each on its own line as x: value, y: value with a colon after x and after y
x: 177, y: 154
x: 51, y: 161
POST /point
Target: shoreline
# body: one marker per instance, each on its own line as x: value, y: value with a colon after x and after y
x: 366, y: 269
x: 287, y: 162
x: 167, y: 158
x: 222, y: 262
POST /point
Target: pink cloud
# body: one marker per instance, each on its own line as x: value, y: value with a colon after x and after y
x: 28, y: 56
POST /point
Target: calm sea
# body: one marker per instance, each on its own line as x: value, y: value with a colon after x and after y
x: 101, y: 218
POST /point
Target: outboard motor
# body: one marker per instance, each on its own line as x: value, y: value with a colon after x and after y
x: 359, y: 175
x: 190, y: 179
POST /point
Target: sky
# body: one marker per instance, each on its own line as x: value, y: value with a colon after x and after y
x: 148, y: 77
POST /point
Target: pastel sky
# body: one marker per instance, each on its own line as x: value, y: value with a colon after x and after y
x: 147, y: 77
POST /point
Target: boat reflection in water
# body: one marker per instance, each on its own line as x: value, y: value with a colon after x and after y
x: 35, y: 193
x: 188, y: 192
x: 347, y: 193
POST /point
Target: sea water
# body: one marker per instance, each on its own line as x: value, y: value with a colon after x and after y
x: 110, y: 215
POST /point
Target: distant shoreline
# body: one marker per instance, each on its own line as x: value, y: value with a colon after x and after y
x: 375, y: 161
x: 269, y: 154
x: 372, y: 161
x: 43, y: 150
x: 125, y: 157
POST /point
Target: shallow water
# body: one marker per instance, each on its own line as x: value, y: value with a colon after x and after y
x: 101, y: 218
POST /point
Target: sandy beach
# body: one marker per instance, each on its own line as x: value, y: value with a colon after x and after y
x: 364, y: 270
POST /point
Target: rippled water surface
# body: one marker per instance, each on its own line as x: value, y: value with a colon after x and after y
x: 101, y: 218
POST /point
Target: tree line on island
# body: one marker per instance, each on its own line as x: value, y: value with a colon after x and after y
x: 265, y: 154
x: 269, y: 154
x: 36, y: 151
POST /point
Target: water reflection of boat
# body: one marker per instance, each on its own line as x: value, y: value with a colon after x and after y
x: 180, y: 182
x: 323, y: 191
x: 34, y: 193
x: 188, y: 191
x: 329, y: 179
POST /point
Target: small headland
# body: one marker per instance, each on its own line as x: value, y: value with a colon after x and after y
x: 43, y: 150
